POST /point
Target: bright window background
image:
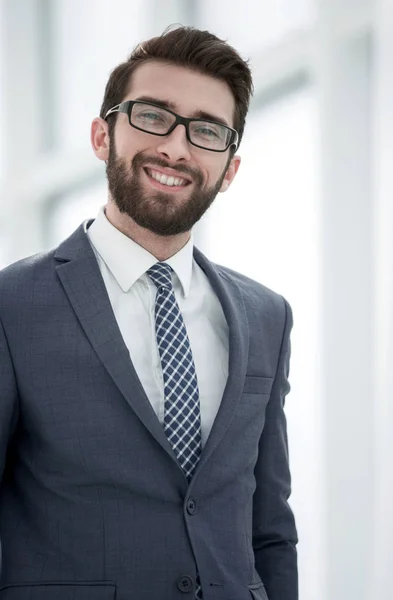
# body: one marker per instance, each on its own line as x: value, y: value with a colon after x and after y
x: 2, y: 137
x: 254, y: 24
x: 91, y: 39
x: 2, y: 107
x: 71, y: 210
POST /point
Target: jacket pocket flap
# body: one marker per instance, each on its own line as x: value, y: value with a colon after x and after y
x: 61, y: 591
x: 257, y: 385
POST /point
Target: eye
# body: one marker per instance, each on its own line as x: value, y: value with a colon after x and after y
x: 207, y: 131
x: 150, y: 116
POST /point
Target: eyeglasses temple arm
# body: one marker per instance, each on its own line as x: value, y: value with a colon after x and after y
x: 112, y: 110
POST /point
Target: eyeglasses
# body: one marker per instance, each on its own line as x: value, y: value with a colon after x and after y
x: 156, y: 120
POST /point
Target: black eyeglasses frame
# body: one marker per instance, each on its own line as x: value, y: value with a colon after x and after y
x: 126, y: 107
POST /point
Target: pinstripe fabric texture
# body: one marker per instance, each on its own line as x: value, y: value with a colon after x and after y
x: 182, y: 417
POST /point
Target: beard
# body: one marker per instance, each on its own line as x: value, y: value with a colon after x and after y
x: 158, y: 211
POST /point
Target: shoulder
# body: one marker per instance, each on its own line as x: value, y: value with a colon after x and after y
x: 254, y: 292
x: 27, y: 268
x: 259, y: 300
x: 19, y: 279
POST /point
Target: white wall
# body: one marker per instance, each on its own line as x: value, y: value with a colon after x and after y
x: 383, y: 392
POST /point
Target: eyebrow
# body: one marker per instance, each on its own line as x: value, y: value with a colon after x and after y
x: 199, y: 114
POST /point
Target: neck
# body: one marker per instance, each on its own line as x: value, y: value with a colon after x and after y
x: 159, y: 246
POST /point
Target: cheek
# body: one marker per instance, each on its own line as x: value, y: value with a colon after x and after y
x: 129, y: 142
x: 212, y: 172
x: 217, y: 174
x: 125, y: 148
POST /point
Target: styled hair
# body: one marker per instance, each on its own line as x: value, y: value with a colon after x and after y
x: 187, y: 47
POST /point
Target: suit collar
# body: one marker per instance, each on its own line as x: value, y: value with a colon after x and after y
x: 127, y: 260
x: 76, y: 245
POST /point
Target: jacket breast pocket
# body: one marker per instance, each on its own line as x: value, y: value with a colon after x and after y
x: 250, y: 411
x: 257, y: 385
x: 257, y: 591
x: 59, y: 591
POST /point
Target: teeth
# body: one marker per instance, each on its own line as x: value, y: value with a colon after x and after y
x: 167, y: 180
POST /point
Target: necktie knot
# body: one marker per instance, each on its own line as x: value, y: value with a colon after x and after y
x: 161, y: 275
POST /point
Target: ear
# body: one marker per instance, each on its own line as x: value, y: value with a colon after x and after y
x: 231, y: 172
x: 99, y: 138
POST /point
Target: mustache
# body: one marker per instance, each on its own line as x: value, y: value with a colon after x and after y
x: 141, y: 158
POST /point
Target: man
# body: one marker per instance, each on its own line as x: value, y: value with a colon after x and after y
x: 143, y: 438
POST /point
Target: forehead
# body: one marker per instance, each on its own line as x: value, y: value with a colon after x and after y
x: 189, y: 91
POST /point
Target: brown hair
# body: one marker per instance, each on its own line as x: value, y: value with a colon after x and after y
x: 187, y: 47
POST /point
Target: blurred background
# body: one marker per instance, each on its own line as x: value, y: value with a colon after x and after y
x: 310, y: 215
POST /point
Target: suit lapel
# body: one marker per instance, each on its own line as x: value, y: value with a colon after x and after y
x: 232, y: 303
x: 80, y: 276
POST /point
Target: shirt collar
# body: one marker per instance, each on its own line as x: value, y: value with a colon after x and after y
x: 128, y: 261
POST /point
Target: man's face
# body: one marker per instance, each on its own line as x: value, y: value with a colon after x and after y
x: 137, y: 160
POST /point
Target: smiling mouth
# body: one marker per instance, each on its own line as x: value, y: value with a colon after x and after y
x: 167, y: 180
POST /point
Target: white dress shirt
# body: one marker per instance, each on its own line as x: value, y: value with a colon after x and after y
x: 123, y: 265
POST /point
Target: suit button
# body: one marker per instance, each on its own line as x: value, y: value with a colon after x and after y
x: 185, y: 583
x: 191, y: 506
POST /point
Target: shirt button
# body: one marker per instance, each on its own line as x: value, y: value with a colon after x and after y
x: 185, y: 584
x: 191, y: 506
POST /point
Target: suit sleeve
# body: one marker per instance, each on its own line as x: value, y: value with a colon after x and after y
x: 9, y: 406
x: 274, y: 529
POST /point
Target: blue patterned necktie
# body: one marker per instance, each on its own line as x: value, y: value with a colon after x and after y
x: 182, y: 417
x: 182, y: 420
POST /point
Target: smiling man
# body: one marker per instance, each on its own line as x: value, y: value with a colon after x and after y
x: 143, y: 443
x: 165, y: 181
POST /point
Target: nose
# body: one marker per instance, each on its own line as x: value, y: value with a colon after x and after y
x: 175, y: 146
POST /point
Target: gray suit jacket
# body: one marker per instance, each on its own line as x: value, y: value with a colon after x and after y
x: 93, y: 503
